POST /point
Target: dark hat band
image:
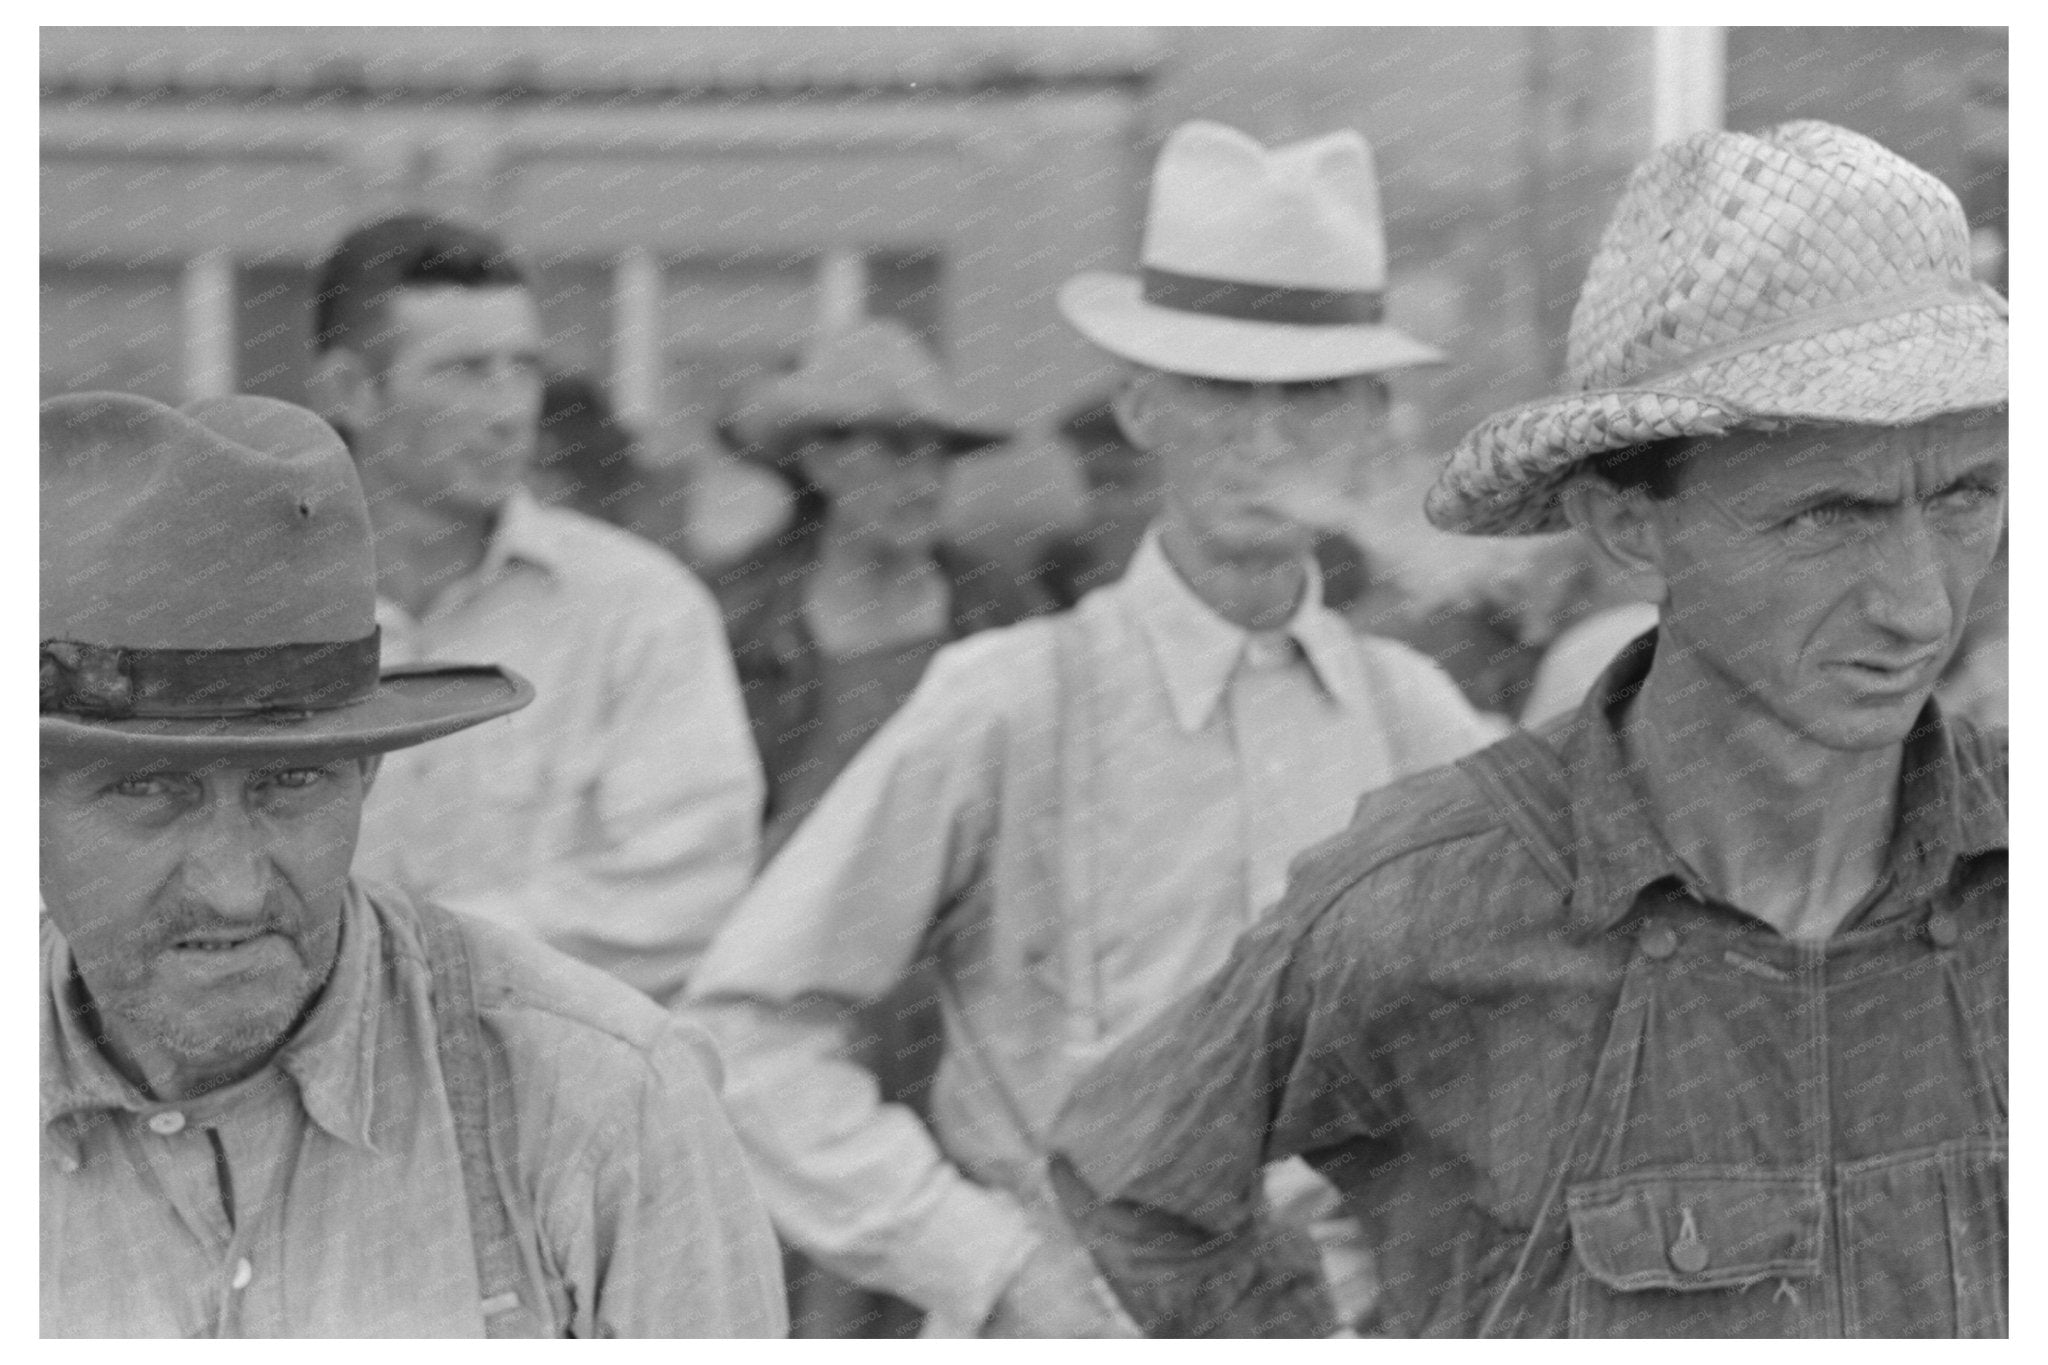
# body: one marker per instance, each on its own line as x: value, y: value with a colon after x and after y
x: 107, y: 682
x: 1261, y: 302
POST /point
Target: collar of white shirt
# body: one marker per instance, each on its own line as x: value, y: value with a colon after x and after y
x: 1197, y: 650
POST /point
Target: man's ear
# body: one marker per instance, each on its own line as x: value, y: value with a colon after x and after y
x: 1134, y: 409
x: 342, y: 389
x: 1623, y: 531
x: 369, y: 763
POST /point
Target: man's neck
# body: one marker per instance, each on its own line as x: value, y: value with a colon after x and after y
x: 421, y: 550
x: 1256, y: 593
x: 1779, y: 826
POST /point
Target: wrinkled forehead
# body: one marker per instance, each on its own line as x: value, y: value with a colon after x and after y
x: 1880, y: 461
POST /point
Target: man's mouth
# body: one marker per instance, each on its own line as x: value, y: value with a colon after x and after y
x: 218, y: 941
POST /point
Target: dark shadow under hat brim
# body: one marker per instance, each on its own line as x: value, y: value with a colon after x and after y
x: 411, y: 705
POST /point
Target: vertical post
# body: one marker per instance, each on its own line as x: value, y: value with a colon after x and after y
x: 1689, y: 81
x: 842, y: 287
x: 206, y: 317
x: 636, y: 336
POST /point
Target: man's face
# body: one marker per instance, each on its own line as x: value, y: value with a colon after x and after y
x: 202, y: 907
x: 887, y: 488
x: 1254, y: 469
x: 1823, y: 577
x: 451, y: 417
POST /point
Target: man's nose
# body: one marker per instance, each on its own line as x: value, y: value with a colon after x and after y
x: 1908, y: 588
x: 228, y: 868
x: 1266, y: 434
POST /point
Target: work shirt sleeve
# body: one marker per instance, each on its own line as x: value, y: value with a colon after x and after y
x: 901, y: 842
x: 1157, y: 1157
x: 654, y: 1221
x: 668, y: 815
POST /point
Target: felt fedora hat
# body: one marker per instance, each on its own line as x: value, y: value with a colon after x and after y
x: 1801, y: 275
x: 208, y: 592
x: 1259, y: 264
x: 870, y: 375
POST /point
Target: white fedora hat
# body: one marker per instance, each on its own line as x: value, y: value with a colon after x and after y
x: 1258, y: 264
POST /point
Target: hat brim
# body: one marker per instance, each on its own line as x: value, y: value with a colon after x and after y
x: 1111, y: 311
x: 1504, y: 477
x: 411, y: 705
x: 772, y: 438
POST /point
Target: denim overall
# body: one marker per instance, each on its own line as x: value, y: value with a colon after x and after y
x: 1784, y: 1139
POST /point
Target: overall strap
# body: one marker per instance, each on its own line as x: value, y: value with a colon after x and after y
x: 1078, y: 758
x: 1522, y: 777
x: 1524, y: 780
x: 479, y: 1089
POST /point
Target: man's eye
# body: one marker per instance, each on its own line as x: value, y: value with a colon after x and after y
x: 144, y: 786
x: 1966, y: 496
x: 298, y: 779
x: 1828, y: 514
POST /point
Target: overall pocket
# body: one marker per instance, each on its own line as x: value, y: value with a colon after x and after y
x: 1696, y: 1253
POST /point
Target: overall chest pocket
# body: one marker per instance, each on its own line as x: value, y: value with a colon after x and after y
x: 1696, y: 1253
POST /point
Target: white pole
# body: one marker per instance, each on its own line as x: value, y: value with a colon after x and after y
x: 206, y: 307
x: 636, y: 337
x: 842, y: 286
x: 1689, y: 81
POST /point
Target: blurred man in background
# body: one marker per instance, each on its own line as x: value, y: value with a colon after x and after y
x: 617, y: 817
x: 832, y: 624
x: 1076, y: 816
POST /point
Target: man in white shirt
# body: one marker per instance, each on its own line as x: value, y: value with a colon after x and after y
x: 1076, y: 816
x: 617, y: 817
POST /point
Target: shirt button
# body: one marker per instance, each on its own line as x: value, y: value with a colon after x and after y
x: 1659, y: 941
x: 244, y: 1272
x: 1689, y: 1256
x: 168, y: 1122
x: 1942, y: 929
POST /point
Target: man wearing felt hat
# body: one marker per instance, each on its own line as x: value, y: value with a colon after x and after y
x: 1073, y: 817
x: 276, y: 1102
x: 1683, y: 1015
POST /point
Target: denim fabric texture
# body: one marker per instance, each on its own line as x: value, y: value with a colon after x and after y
x: 1608, y: 1107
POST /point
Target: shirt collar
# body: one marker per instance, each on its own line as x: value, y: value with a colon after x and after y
x: 525, y: 531
x: 1945, y: 811
x: 1197, y: 650
x: 331, y: 1059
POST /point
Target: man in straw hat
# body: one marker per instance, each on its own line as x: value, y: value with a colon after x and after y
x: 1684, y: 1015
x: 275, y: 1103
x: 618, y: 818
x: 1073, y: 817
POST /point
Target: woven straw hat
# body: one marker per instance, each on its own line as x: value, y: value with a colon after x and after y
x: 870, y: 375
x: 1803, y: 275
x: 1261, y: 265
x: 208, y: 591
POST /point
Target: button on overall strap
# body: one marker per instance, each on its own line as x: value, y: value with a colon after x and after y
x: 479, y: 1089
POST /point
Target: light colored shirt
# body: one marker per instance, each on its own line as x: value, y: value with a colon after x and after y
x: 1078, y: 815
x: 617, y: 817
x: 323, y: 1196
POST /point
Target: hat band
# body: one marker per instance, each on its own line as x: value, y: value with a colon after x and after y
x: 1835, y: 318
x: 108, y: 682
x: 1261, y: 302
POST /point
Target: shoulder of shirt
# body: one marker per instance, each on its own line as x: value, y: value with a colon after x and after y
x: 993, y: 673
x: 587, y: 1032
x: 1982, y: 761
x: 1400, y: 658
x: 587, y: 548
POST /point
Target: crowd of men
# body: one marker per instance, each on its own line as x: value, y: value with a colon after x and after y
x: 461, y: 920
